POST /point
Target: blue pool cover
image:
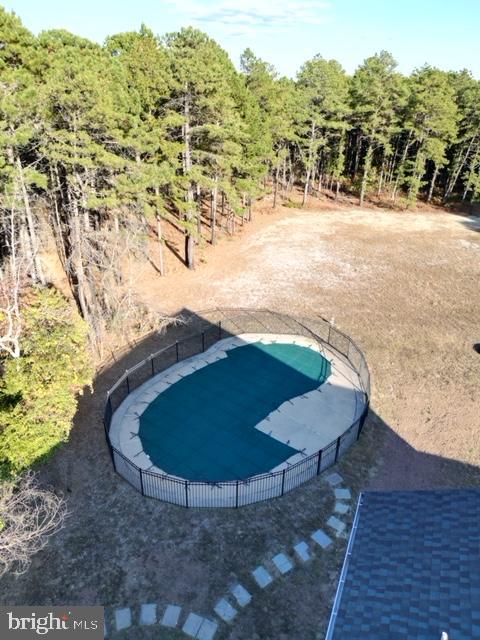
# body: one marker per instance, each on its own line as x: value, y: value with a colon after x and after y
x: 203, y: 426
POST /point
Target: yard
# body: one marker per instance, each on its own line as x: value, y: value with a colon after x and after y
x: 404, y: 286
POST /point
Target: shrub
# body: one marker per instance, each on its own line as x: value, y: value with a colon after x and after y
x: 38, y: 390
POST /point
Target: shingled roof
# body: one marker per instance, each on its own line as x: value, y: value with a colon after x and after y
x: 412, y: 568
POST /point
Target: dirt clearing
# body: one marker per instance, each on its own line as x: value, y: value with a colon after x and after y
x: 405, y: 287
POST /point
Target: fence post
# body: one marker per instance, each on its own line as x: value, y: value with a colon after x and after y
x: 128, y: 385
x: 176, y: 348
x: 283, y: 481
x: 236, y: 495
x: 337, y: 449
x: 141, y: 482
x: 219, y: 329
x: 203, y: 340
x: 362, y: 419
x: 153, y: 367
x: 109, y: 444
x: 329, y: 332
x: 319, y: 463
x: 186, y: 493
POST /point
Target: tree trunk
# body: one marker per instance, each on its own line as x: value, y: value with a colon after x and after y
x: 356, y: 161
x: 401, y: 167
x: 313, y: 177
x: 161, y: 263
x: 309, y: 165
x: 37, y: 263
x: 213, y: 212
x: 77, y: 260
x: 366, y: 170
x: 453, y: 181
x: 275, y: 186
x: 382, y: 173
x: 189, y: 239
x: 56, y: 222
x: 284, y: 177
x: 432, y: 184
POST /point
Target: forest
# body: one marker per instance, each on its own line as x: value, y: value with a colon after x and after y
x: 100, y: 146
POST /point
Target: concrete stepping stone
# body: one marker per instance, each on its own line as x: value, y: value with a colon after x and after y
x: 283, y: 564
x: 343, y: 494
x: 341, y: 508
x: 148, y: 614
x: 336, y: 524
x: 224, y: 610
x: 241, y: 595
x: 262, y: 577
x: 302, y: 551
x: 192, y: 625
x: 123, y: 618
x: 171, y: 616
x: 321, y: 538
x: 207, y: 630
x: 334, y: 479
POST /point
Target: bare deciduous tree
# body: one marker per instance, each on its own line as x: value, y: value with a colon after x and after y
x: 28, y: 516
x: 13, y: 272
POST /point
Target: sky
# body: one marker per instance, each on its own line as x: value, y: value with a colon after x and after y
x: 442, y: 33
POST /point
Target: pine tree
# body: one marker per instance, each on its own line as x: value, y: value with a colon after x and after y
x: 202, y: 95
x: 324, y: 85
x: 375, y: 91
x: 432, y: 123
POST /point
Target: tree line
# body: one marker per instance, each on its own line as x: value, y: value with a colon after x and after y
x: 101, y: 145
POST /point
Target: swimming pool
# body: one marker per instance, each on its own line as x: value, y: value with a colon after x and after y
x: 182, y: 410
x: 203, y: 426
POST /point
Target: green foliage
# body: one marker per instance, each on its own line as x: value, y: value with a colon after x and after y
x: 99, y: 143
x: 38, y: 390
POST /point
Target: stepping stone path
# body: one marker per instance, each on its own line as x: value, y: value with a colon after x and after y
x: 123, y: 618
x: 283, y: 564
x: 262, y: 577
x: 341, y: 508
x: 241, y: 595
x: 201, y: 628
x: 342, y: 494
x: 334, y: 479
x: 224, y: 610
x: 336, y: 524
x: 207, y: 630
x: 302, y: 551
x: 148, y: 614
x: 171, y: 616
x: 192, y: 625
x: 321, y: 538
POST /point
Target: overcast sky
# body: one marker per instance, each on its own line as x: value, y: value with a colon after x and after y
x: 287, y: 32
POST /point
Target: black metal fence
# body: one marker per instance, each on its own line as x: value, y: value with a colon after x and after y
x: 217, y: 325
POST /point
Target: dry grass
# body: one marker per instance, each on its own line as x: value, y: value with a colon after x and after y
x: 405, y: 287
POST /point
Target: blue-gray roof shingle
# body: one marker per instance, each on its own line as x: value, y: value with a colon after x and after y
x: 413, y: 569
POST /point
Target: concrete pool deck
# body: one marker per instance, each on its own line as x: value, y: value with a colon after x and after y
x: 308, y: 422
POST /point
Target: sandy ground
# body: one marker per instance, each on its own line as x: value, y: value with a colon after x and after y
x: 404, y: 286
